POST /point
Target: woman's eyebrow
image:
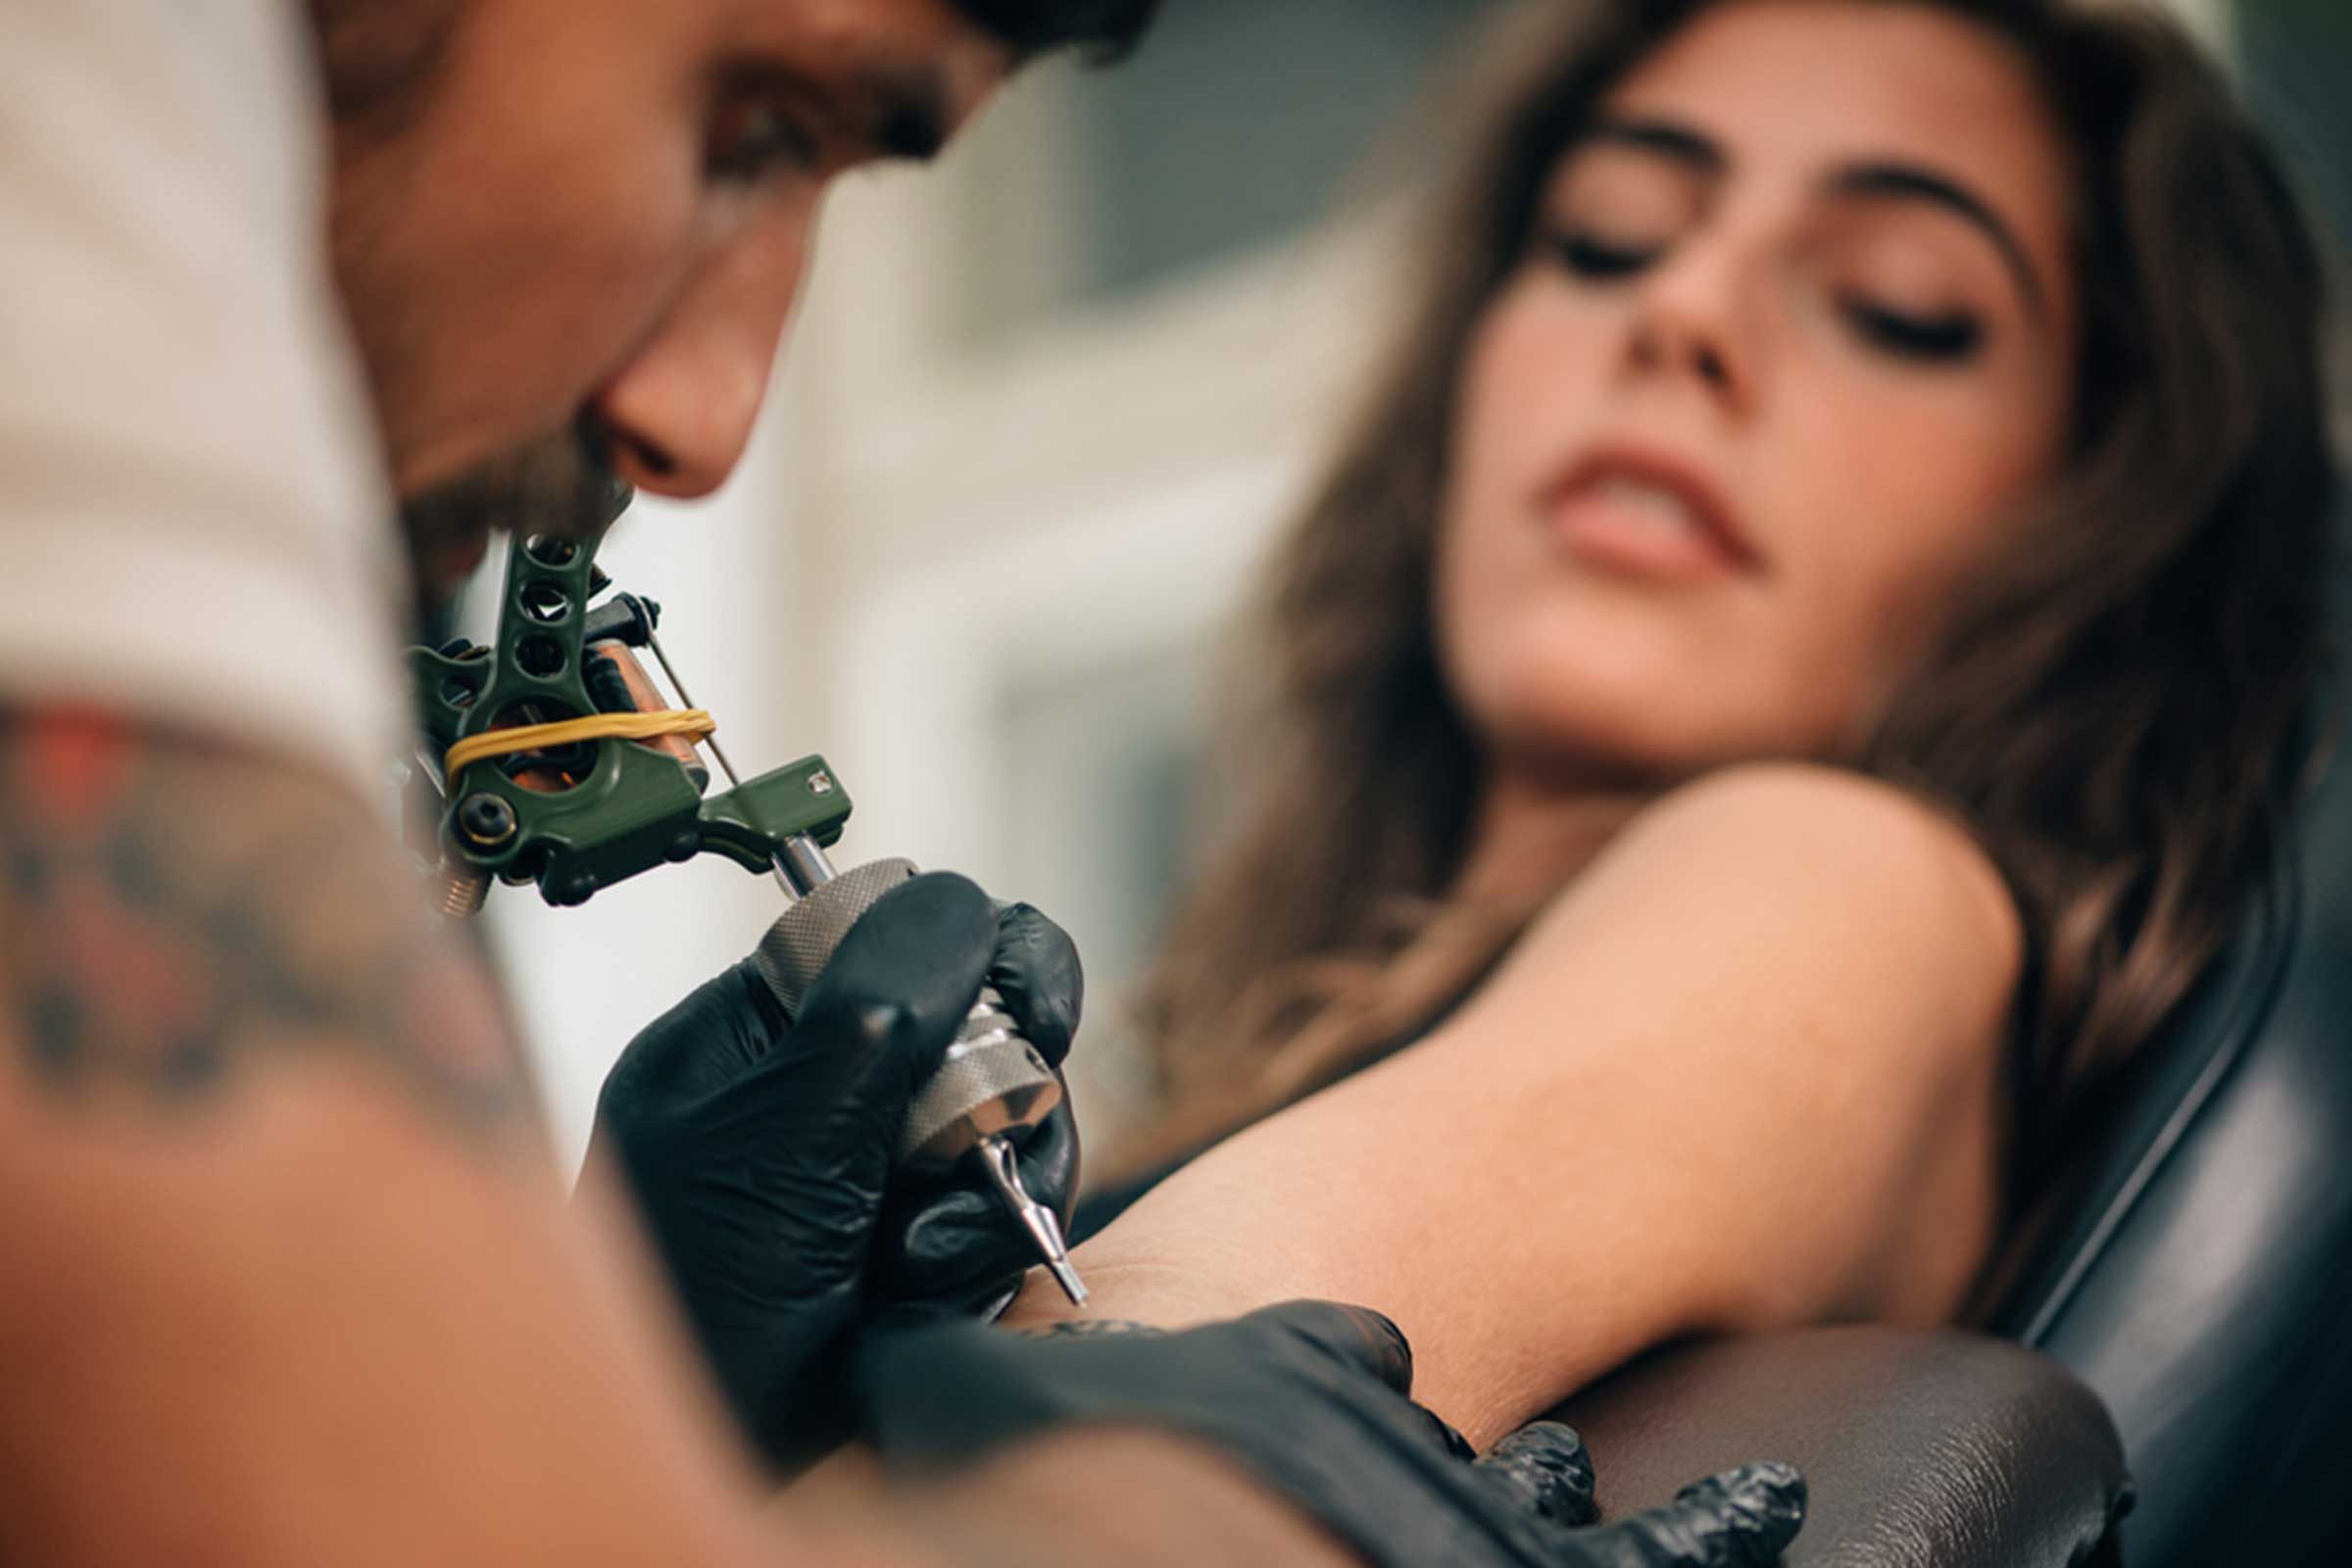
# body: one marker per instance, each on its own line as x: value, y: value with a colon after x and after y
x: 1909, y: 182
x: 1702, y: 154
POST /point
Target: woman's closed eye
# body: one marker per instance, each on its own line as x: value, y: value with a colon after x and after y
x: 1596, y: 257
x: 1930, y: 338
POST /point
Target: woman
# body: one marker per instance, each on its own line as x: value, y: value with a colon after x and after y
x: 1790, y: 687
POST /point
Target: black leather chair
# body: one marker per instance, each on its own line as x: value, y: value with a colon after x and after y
x: 2199, y: 1282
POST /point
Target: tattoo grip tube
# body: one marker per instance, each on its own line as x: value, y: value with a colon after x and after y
x: 993, y: 1085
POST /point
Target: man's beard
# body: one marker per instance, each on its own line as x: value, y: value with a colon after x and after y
x: 561, y: 486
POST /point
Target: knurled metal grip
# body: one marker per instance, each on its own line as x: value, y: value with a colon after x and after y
x: 993, y: 1081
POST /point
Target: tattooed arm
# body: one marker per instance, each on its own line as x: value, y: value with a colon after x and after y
x: 289, y: 1277
x: 179, y: 918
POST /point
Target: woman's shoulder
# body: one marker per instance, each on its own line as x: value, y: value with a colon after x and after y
x: 1822, y: 880
x: 1799, y: 826
x: 1802, y: 794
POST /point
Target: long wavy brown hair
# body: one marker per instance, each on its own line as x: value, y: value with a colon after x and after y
x: 2115, y: 714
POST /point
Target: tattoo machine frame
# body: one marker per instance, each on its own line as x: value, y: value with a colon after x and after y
x: 563, y: 766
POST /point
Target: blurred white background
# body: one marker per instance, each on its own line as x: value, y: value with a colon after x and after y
x: 1045, y: 407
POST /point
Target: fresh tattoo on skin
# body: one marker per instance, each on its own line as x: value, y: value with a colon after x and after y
x: 1092, y: 1328
x: 173, y: 915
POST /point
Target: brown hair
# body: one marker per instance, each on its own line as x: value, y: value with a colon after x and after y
x: 2115, y: 714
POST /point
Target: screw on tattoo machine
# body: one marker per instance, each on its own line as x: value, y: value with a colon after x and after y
x: 562, y: 765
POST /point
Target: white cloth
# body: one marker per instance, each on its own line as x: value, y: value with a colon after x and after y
x: 194, y: 528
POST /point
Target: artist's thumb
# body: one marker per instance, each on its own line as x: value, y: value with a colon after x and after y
x: 904, y: 978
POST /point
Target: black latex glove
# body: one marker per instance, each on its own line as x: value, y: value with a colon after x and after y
x: 943, y: 1246
x: 760, y: 1150
x: 1310, y: 1398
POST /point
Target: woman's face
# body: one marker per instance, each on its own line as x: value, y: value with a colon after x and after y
x: 1795, y: 330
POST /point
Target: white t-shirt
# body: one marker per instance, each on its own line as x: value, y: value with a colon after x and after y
x: 193, y: 524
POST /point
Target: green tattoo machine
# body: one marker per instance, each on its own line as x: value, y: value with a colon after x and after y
x: 563, y: 766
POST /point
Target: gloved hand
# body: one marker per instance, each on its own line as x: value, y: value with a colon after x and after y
x: 943, y: 1246
x: 760, y: 1150
x: 1311, y: 1399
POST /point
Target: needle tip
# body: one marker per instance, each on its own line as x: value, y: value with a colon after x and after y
x: 1044, y: 1231
x: 1067, y: 1278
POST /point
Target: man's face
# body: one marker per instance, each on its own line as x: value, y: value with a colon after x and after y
x: 593, y: 218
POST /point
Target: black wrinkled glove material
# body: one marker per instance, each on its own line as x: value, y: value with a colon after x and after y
x: 944, y: 1247
x: 1311, y: 1399
x: 760, y: 1150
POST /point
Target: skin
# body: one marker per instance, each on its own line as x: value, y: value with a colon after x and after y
x: 603, y: 213
x: 1867, y: 482
x: 1771, y: 1001
x: 302, y: 1265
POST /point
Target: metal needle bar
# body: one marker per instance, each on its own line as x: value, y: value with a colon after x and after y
x: 685, y: 700
x: 784, y: 878
x: 1044, y: 1231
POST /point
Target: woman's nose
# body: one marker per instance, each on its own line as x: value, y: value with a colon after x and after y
x: 1690, y: 320
x: 680, y: 412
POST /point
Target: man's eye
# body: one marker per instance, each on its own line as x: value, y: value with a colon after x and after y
x: 753, y: 140
x: 1950, y: 338
x: 1589, y: 256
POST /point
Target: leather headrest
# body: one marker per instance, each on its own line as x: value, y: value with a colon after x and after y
x: 2202, y: 1272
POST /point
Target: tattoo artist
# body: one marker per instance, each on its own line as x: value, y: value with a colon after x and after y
x: 289, y: 1284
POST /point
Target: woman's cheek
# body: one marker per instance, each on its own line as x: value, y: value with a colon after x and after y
x: 1874, y: 584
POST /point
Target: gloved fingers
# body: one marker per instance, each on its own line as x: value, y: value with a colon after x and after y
x: 1050, y: 1157
x: 1743, y: 1518
x: 938, y: 1395
x: 1368, y: 1342
x: 897, y: 989
x: 699, y: 1047
x: 1036, y: 970
x: 1543, y: 1470
x: 886, y: 1318
x: 947, y: 1245
x: 1357, y: 1337
x: 1052, y: 1160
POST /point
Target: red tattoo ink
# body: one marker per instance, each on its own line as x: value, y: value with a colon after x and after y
x: 78, y: 764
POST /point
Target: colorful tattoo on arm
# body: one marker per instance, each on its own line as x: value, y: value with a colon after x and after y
x: 174, y: 916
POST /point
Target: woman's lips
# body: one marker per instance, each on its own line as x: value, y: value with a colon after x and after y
x: 1646, y: 515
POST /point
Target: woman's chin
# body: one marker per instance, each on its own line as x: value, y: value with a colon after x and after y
x: 1644, y: 733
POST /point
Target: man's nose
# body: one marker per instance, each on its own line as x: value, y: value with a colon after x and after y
x: 680, y: 412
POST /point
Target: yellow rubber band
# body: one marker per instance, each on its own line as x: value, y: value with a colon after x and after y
x: 691, y: 723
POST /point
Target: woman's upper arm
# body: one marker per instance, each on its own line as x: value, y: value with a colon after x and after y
x: 1796, y: 983
x: 1720, y: 1084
